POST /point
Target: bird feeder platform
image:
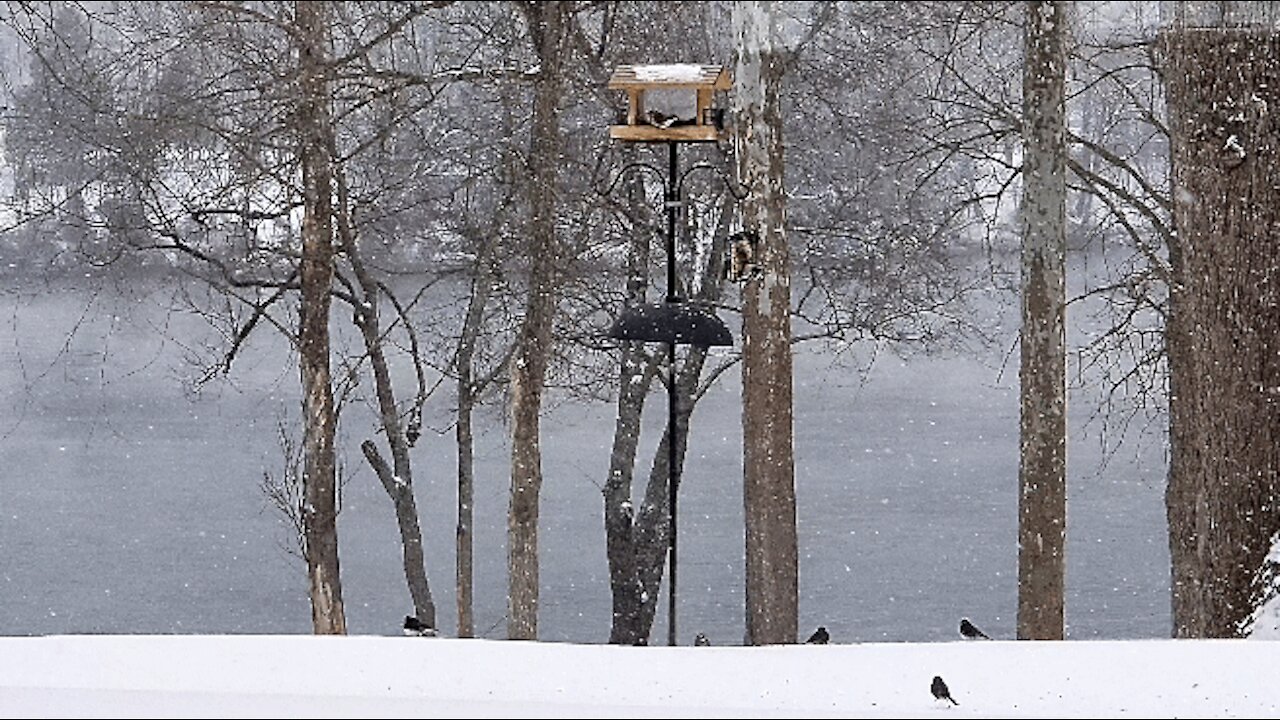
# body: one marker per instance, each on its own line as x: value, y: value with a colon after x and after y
x: 643, y: 125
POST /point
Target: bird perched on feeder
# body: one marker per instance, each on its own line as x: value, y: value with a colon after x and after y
x: 941, y: 691
x: 415, y: 627
x: 660, y: 119
x: 971, y: 631
x: 819, y: 637
x: 701, y: 640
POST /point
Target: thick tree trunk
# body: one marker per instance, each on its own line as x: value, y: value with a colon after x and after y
x: 528, y: 369
x: 1042, y: 502
x: 320, y: 513
x: 1223, y: 335
x: 772, y: 573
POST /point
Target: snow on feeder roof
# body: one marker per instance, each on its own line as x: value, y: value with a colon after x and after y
x: 680, y: 75
x: 645, y: 125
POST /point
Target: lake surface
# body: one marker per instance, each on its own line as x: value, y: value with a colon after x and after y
x: 130, y: 503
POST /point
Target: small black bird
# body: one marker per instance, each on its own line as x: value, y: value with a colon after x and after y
x: 701, y: 640
x: 940, y: 690
x: 414, y: 626
x: 819, y: 637
x: 971, y: 631
x: 660, y: 119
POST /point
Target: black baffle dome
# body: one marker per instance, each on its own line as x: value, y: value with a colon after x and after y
x: 681, y: 322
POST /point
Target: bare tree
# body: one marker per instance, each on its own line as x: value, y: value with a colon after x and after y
x: 1222, y: 72
x: 772, y: 564
x: 547, y: 24
x: 473, y: 371
x: 469, y: 389
x: 222, y: 202
x: 316, y: 276
x: 626, y: 532
x: 1042, y: 502
x: 637, y: 539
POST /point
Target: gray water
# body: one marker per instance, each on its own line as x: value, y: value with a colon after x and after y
x: 131, y: 503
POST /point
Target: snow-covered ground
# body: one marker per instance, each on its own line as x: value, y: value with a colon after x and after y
x: 368, y: 676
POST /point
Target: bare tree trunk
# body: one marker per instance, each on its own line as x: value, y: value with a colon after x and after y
x: 772, y: 573
x: 635, y: 377
x: 401, y: 493
x: 546, y: 22
x: 319, y: 466
x: 637, y: 542
x: 1223, y: 335
x: 1042, y: 502
x: 653, y: 525
x: 397, y: 478
x: 467, y: 393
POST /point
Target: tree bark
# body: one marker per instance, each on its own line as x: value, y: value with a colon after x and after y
x: 772, y: 573
x: 635, y: 377
x: 1223, y: 335
x: 1042, y: 502
x: 400, y: 491
x: 546, y: 21
x: 396, y: 478
x: 467, y: 393
x: 637, y: 542
x: 651, y: 533
x: 320, y: 513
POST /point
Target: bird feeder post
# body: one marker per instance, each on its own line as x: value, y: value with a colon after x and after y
x: 675, y: 321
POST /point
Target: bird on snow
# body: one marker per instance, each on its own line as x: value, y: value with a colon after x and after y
x: 413, y: 626
x: 971, y: 631
x: 701, y: 640
x: 940, y: 690
x: 819, y: 637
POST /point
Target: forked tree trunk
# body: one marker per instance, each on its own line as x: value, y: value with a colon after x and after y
x: 319, y: 477
x: 772, y: 572
x: 1042, y: 467
x: 1223, y: 337
x: 637, y: 542
x: 635, y: 378
x: 396, y: 478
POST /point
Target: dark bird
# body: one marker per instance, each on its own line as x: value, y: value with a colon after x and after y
x: 660, y: 119
x: 701, y: 640
x: 413, y: 432
x: 414, y: 626
x: 971, y: 631
x: 940, y: 690
x: 819, y: 637
x: 741, y: 265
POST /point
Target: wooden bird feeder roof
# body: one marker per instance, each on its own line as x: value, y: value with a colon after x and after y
x: 677, y: 76
x: 647, y: 126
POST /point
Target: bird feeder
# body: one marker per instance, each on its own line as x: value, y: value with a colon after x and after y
x: 675, y: 321
x: 647, y: 125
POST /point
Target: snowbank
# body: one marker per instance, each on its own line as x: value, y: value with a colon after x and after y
x: 363, y: 676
